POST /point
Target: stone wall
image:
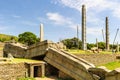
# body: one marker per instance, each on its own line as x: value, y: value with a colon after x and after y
x: 11, y: 71
x: 106, y: 74
x: 98, y: 59
x: 69, y: 64
x: 15, y: 49
x: 64, y: 76
x: 38, y: 49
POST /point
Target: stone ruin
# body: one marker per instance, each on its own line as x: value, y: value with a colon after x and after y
x: 61, y: 62
x: 51, y: 53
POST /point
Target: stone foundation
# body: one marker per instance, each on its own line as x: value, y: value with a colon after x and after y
x: 62, y: 75
x: 98, y: 59
x: 11, y: 71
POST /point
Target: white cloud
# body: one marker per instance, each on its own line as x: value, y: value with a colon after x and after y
x: 94, y: 9
x: 91, y: 18
x: 58, y: 19
x: 94, y: 6
x: 94, y: 31
x: 15, y: 16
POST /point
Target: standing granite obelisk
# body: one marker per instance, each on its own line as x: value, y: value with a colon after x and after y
x: 78, y: 36
x: 84, y: 45
x: 107, y: 34
x: 41, y: 33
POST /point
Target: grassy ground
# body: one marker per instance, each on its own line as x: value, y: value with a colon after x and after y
x: 112, y: 65
x: 23, y: 60
x: 1, y: 48
x: 75, y: 51
x: 19, y: 60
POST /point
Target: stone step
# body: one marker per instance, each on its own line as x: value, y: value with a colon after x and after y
x: 69, y: 64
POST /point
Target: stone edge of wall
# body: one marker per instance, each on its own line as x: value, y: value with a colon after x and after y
x: 98, y: 59
x: 106, y: 74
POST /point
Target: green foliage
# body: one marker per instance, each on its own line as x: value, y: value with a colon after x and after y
x: 101, y: 45
x: 76, y: 51
x: 4, y: 38
x: 113, y: 46
x: 27, y: 38
x: 89, y: 46
x: 72, y: 43
x: 28, y: 78
x: 112, y: 65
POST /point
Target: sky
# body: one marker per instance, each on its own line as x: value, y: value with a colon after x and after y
x: 60, y: 18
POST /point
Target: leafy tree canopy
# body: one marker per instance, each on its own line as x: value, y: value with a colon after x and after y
x: 72, y: 43
x: 27, y: 38
x: 89, y: 46
x: 101, y: 45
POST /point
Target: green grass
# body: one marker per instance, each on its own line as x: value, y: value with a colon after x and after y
x: 1, y: 48
x: 75, y: 51
x: 112, y: 65
x: 19, y: 60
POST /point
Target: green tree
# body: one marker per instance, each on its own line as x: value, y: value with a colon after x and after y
x: 72, y: 43
x: 101, y: 45
x: 27, y: 38
x: 89, y: 46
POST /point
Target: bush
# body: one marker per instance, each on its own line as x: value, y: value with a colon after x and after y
x: 28, y: 38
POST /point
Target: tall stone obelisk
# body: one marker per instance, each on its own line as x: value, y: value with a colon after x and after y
x: 78, y: 36
x: 41, y: 33
x: 84, y: 44
x: 107, y: 34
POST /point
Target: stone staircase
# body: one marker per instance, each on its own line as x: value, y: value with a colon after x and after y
x: 71, y: 65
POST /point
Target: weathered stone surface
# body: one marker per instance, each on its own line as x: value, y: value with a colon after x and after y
x: 16, y: 49
x: 41, y: 33
x: 34, y: 50
x: 37, y: 49
x: 96, y: 77
x: 84, y: 45
x: 98, y: 59
x: 12, y: 71
x: 64, y: 76
x: 101, y: 71
x: 113, y: 75
x: 69, y: 64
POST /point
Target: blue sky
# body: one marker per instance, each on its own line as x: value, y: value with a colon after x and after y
x: 60, y: 18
